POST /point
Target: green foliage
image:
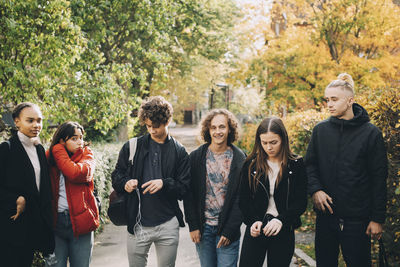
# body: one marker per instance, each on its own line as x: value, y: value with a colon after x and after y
x: 93, y: 61
x: 246, y: 141
x: 47, y: 59
x: 384, y: 109
x: 106, y: 156
x: 299, y: 126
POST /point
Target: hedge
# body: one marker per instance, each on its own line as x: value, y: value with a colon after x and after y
x: 384, y: 109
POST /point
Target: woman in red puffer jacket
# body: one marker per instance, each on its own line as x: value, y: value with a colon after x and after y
x: 74, y: 205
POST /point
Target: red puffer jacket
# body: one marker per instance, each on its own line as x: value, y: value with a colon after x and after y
x: 78, y: 172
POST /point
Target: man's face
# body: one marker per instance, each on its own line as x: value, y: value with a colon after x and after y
x: 219, y: 130
x: 157, y: 132
x: 339, y: 101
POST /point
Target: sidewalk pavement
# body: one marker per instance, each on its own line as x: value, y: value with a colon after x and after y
x: 110, y: 249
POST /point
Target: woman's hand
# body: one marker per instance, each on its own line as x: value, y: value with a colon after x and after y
x: 20, y: 207
x: 255, y: 229
x: 273, y: 227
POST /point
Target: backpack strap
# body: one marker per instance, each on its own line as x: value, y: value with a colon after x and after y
x: 132, y: 149
x: 8, y: 142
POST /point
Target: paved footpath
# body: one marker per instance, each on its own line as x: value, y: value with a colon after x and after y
x: 110, y: 246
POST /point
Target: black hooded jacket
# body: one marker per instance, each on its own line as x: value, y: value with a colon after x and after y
x: 175, y: 171
x: 347, y: 160
x: 230, y: 218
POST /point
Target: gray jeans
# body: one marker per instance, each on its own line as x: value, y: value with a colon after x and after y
x: 164, y: 236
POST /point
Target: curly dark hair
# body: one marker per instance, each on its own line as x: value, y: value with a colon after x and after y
x: 233, y: 124
x: 156, y: 109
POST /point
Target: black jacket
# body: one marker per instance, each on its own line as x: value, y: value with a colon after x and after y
x: 290, y: 196
x: 230, y: 218
x: 347, y: 159
x: 17, y: 178
x: 175, y: 174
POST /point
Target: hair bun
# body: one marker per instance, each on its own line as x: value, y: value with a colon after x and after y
x: 347, y: 78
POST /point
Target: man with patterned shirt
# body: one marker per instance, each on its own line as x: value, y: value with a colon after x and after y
x: 211, y: 205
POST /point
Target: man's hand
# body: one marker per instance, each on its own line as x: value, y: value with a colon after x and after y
x: 223, y: 242
x: 255, y: 229
x: 20, y: 207
x: 273, y: 227
x: 195, y: 236
x: 153, y: 186
x: 131, y: 185
x: 374, y: 230
x: 322, y: 201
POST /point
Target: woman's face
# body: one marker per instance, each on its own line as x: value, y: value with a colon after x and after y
x: 74, y: 142
x: 271, y: 143
x: 29, y: 121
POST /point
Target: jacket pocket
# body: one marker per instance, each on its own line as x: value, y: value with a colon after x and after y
x: 86, y: 222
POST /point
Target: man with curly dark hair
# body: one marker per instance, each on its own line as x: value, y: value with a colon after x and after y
x: 157, y: 179
x: 211, y: 205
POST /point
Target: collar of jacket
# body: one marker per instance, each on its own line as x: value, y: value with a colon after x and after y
x: 147, y: 137
x: 16, y: 144
x: 285, y: 175
x: 360, y: 117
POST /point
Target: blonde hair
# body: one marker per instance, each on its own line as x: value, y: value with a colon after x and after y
x: 344, y: 81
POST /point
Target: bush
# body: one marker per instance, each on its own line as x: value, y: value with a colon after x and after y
x: 299, y: 126
x: 246, y: 141
x: 106, y: 156
x: 383, y: 107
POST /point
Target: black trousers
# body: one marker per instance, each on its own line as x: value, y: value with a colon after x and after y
x: 279, y: 249
x: 332, y: 232
x: 16, y: 256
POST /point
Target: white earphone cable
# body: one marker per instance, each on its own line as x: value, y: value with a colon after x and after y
x: 138, y: 231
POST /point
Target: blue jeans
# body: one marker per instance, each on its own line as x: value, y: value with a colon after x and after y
x: 77, y: 249
x: 210, y: 255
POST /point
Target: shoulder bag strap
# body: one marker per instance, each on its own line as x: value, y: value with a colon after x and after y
x: 132, y: 149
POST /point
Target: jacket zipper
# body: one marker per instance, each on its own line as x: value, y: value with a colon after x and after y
x: 287, y: 195
x: 266, y: 191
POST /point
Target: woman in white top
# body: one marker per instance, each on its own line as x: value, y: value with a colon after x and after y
x: 272, y: 197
